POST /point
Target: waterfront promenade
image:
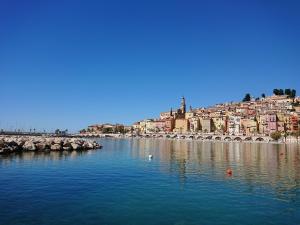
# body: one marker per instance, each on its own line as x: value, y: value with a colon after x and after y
x: 199, y: 137
x: 187, y: 136
x: 212, y: 137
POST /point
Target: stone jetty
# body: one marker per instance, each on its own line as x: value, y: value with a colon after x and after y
x: 10, y: 144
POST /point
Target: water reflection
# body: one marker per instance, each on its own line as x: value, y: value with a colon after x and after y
x: 185, y: 183
x: 6, y: 160
x: 253, y: 163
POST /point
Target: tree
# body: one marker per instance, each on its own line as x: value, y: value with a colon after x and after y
x: 119, y: 129
x: 247, y: 98
x: 106, y: 130
x: 293, y: 93
x: 257, y: 99
x: 287, y: 92
x: 276, y: 135
x: 82, y: 131
x: 263, y: 95
x: 275, y: 91
x: 281, y: 92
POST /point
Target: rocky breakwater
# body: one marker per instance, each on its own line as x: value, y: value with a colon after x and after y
x: 10, y: 144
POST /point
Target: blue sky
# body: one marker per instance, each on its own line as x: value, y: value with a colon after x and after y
x: 68, y: 64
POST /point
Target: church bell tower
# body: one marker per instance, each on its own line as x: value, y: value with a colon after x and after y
x: 183, y: 106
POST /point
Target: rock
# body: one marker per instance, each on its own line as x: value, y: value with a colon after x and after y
x: 14, y: 145
x: 49, y: 142
x: 96, y: 145
x: 20, y: 142
x: 67, y: 148
x: 2, y: 144
x: 10, y: 144
x: 87, y: 145
x: 57, y: 141
x: 14, y: 148
x: 41, y: 146
x: 75, y: 146
x: 6, y: 150
x: 40, y: 140
x: 78, y: 141
x: 55, y: 147
x: 29, y: 146
x: 67, y: 144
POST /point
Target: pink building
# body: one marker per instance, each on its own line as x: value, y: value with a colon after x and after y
x: 271, y: 120
x: 160, y: 125
x: 294, y: 123
x: 169, y: 124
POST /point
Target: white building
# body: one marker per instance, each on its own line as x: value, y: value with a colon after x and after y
x: 234, y: 125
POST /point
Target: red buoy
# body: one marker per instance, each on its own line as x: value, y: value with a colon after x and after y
x: 229, y: 172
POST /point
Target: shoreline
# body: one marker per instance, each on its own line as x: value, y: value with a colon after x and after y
x: 234, y: 139
x: 205, y: 140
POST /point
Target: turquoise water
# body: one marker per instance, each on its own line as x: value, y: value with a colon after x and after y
x: 184, y: 183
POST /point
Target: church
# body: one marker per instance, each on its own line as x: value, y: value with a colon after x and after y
x: 177, y: 118
x: 177, y: 114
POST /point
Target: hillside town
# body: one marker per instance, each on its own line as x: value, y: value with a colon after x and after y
x: 264, y: 116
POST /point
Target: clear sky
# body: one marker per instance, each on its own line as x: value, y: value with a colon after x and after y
x: 69, y: 64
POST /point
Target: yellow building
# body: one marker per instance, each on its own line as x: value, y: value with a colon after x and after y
x: 189, y: 115
x: 181, y: 125
x: 297, y: 108
x: 150, y: 126
x: 194, y: 124
x: 145, y: 126
x: 206, y: 124
x: 136, y: 127
x: 219, y: 123
x: 249, y: 126
x: 262, y: 124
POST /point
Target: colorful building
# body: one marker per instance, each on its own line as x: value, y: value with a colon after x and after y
x: 181, y: 126
x: 249, y: 126
x: 271, y: 120
x: 234, y: 125
x: 206, y: 124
